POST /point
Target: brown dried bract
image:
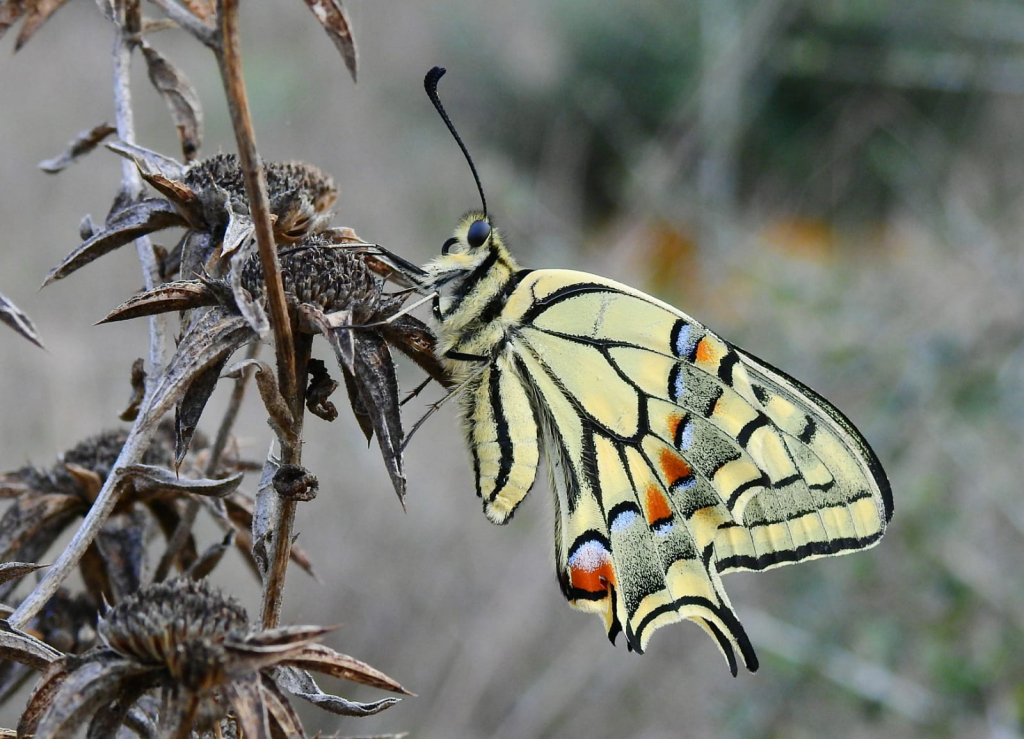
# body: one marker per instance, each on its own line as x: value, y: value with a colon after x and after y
x: 208, y: 199
x: 193, y: 646
x: 330, y: 290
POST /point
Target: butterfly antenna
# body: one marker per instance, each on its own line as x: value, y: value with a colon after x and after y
x: 430, y: 85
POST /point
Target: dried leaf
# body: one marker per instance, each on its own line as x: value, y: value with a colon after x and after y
x: 108, y: 719
x: 356, y: 403
x: 342, y: 340
x: 280, y: 416
x: 280, y: 711
x: 138, y: 391
x: 38, y: 14
x: 247, y: 305
x: 14, y: 570
x: 43, y: 694
x: 211, y: 337
x: 95, y: 683
x: 378, y: 387
x: 171, y: 296
x: 190, y: 408
x: 284, y: 638
x: 27, y: 525
x: 301, y: 684
x: 181, y: 98
x: 150, y: 480
x: 149, y: 162
x: 85, y: 142
x: 323, y: 659
x: 321, y: 387
x: 210, y: 558
x: 128, y: 224
x: 13, y: 317
x: 24, y: 649
x: 415, y: 340
x: 332, y: 17
x: 121, y: 546
x: 265, y: 514
x: 249, y: 708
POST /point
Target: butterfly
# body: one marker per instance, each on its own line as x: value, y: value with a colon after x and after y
x: 675, y: 456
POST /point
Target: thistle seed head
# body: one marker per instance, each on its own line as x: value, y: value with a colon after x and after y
x: 180, y: 625
x: 316, y: 273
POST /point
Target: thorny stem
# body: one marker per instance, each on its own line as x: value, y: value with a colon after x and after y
x: 291, y: 365
x: 188, y: 518
x: 126, y: 29
x: 273, y: 583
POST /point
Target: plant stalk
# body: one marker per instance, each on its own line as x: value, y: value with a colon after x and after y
x: 125, y: 35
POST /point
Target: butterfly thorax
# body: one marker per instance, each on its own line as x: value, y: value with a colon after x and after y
x: 472, y: 286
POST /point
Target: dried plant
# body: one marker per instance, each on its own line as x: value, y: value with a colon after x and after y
x: 129, y: 650
x: 192, y: 646
x: 331, y: 291
x: 208, y: 199
x: 47, y: 501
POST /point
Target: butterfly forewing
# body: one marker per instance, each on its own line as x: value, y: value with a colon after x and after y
x: 674, y: 455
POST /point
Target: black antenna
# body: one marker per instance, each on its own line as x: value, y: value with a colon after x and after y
x: 430, y: 85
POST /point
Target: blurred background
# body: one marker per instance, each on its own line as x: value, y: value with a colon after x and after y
x: 836, y: 186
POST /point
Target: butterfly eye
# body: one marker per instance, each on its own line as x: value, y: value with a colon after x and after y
x: 478, y: 233
x: 447, y: 246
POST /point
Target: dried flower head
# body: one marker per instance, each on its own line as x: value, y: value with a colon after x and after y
x: 190, y: 645
x: 48, y: 501
x: 330, y: 290
x: 208, y: 199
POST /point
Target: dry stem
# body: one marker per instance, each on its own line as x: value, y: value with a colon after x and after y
x: 291, y: 366
x: 138, y: 440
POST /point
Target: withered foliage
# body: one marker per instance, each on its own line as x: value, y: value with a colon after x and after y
x: 330, y: 291
x: 47, y: 501
x: 183, y: 655
x: 208, y: 199
x: 14, y: 317
x: 121, y: 654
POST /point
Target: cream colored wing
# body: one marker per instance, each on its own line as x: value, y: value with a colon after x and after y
x: 674, y: 456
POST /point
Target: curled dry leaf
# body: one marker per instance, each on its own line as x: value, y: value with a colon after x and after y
x: 181, y: 98
x: 138, y: 219
x: 302, y: 685
x: 332, y: 17
x: 138, y: 391
x: 13, y: 316
x: 82, y: 144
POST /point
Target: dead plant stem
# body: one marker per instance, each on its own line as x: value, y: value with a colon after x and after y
x: 291, y: 365
x: 127, y: 25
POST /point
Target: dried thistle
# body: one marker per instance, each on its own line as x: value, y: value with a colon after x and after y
x: 190, y: 645
x: 46, y: 502
x: 208, y: 199
x: 331, y: 291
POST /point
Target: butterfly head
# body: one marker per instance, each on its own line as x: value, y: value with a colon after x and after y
x: 475, y: 248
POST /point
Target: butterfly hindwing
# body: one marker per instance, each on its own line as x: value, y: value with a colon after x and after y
x: 675, y: 456
x: 503, y: 436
